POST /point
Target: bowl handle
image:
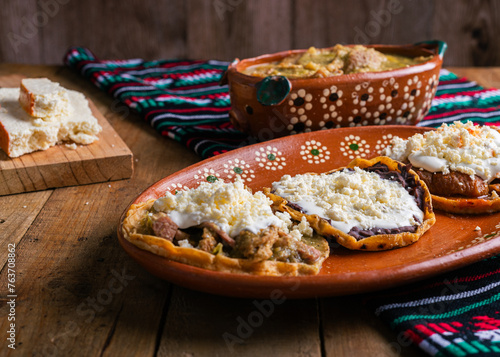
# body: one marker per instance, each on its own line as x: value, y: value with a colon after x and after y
x: 273, y: 90
x: 439, y: 47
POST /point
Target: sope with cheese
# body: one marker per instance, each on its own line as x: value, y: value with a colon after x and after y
x: 351, y: 198
x: 224, y: 226
x: 375, y: 204
x: 460, y: 163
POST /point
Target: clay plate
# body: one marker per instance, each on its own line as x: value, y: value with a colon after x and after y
x: 454, y: 241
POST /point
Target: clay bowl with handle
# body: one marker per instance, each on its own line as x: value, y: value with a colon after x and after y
x: 276, y: 106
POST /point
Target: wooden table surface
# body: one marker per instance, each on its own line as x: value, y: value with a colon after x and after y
x: 80, y: 294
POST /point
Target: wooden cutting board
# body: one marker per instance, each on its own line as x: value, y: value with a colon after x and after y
x: 106, y: 159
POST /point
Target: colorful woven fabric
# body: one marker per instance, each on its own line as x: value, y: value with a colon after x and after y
x: 457, y: 314
x: 183, y: 100
x: 460, y: 99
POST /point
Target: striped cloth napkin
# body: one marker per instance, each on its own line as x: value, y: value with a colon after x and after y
x: 456, y: 314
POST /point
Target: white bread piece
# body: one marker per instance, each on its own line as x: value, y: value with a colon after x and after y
x: 43, y: 98
x: 80, y: 126
x: 18, y: 133
x: 21, y: 134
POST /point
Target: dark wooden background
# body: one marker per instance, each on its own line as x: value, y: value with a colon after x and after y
x: 40, y: 31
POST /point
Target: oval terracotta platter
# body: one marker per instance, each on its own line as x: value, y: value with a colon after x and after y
x: 454, y: 241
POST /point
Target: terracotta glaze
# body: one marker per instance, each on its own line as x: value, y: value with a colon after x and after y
x: 276, y: 106
x: 454, y: 241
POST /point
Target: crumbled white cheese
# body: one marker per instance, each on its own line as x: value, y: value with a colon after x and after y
x: 350, y: 199
x: 304, y: 228
x: 297, y: 231
x: 185, y: 243
x: 229, y: 205
x: 468, y: 148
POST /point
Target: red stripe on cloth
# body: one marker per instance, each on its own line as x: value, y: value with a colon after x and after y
x: 186, y: 98
x: 186, y: 87
x: 486, y: 323
x: 454, y: 81
x: 437, y: 328
x: 197, y: 72
x: 188, y: 141
x: 426, y: 331
x: 457, y: 324
x: 466, y: 93
x: 215, y: 95
x: 414, y: 337
x: 226, y: 125
x: 220, y: 152
x: 209, y: 127
x: 448, y: 327
x: 180, y: 63
x: 467, y: 110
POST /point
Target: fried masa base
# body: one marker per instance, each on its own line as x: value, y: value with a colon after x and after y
x: 376, y: 242
x: 199, y: 258
x: 466, y: 205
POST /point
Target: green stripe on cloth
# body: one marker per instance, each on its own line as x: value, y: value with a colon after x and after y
x: 453, y: 313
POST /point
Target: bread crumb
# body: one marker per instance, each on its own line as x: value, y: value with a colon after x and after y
x: 86, y: 203
x: 25, y: 206
x: 477, y: 228
x: 71, y: 146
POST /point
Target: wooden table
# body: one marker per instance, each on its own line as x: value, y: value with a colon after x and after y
x: 80, y: 294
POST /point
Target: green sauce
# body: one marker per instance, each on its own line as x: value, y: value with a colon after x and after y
x: 318, y: 63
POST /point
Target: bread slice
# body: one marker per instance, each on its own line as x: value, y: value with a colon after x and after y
x: 20, y: 133
x: 80, y: 126
x: 42, y: 98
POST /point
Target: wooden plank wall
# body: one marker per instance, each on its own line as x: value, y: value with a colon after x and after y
x: 40, y: 31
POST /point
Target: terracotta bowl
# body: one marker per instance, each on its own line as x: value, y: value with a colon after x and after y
x: 276, y: 106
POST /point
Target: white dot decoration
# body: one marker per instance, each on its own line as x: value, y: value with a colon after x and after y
x: 177, y: 187
x: 270, y: 158
x: 383, y: 142
x: 237, y: 167
x: 204, y: 175
x: 314, y: 152
x: 353, y: 146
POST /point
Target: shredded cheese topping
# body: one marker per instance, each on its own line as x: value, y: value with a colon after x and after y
x: 467, y: 148
x: 229, y: 205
